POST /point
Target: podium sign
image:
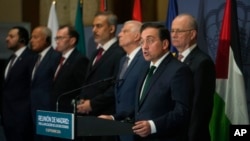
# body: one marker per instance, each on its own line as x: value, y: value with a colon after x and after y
x: 56, y: 124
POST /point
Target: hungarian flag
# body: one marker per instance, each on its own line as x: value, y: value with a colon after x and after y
x: 53, y: 22
x: 103, y: 5
x: 172, y: 13
x: 137, y: 11
x: 80, y: 28
x: 230, y: 105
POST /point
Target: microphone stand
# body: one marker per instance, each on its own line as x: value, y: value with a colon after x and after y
x: 85, y: 86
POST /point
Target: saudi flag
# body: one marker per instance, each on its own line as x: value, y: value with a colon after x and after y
x: 80, y: 28
x: 230, y: 105
x: 53, y: 22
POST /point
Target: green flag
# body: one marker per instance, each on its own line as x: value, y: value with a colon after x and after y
x: 80, y: 28
x: 230, y: 105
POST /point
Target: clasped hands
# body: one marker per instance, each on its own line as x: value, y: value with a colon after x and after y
x: 84, y: 106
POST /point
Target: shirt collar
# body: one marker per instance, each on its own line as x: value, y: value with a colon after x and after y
x: 67, y: 54
x: 20, y: 51
x: 158, y: 62
x: 44, y: 52
x: 131, y: 56
x: 187, y: 51
x: 107, y: 45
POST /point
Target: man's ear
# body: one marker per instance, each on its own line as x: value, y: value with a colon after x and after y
x: 165, y: 44
x: 112, y: 29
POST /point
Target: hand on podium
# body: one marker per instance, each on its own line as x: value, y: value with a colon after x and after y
x: 108, y: 117
x: 84, y: 106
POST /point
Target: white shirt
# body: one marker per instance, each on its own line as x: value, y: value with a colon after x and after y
x: 18, y: 54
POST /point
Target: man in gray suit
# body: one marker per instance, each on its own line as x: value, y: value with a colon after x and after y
x: 129, y: 39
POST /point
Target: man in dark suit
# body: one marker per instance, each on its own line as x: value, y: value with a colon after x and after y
x: 163, y: 93
x: 184, y: 36
x: 99, y: 99
x: 43, y: 72
x: 71, y: 74
x: 17, y: 120
x: 129, y: 39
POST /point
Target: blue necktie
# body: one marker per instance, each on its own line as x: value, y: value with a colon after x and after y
x: 124, y: 67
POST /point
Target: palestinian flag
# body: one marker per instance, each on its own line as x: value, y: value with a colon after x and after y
x: 230, y: 106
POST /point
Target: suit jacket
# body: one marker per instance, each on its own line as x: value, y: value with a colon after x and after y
x: 167, y: 100
x: 70, y: 77
x: 125, y: 89
x: 17, y: 120
x: 203, y: 70
x: 42, y: 82
x: 101, y: 95
x: 2, y: 66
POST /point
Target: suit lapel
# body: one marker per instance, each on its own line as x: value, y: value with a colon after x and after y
x: 156, y: 75
x: 191, y: 55
x: 134, y: 61
x: 105, y: 55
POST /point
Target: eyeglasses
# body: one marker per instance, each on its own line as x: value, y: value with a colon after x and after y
x: 178, y: 31
x: 148, y: 41
x: 61, y: 37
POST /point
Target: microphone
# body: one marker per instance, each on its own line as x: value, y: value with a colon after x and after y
x: 110, y: 79
x: 75, y: 101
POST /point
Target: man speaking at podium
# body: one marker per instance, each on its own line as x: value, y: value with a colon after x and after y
x: 99, y: 99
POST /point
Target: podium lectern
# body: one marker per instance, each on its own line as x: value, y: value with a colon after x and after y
x: 93, y: 126
x: 67, y: 125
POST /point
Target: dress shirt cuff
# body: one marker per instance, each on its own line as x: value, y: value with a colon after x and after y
x: 152, y: 126
x: 113, y: 118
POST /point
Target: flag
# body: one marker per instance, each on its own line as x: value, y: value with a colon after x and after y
x: 80, y: 28
x: 202, y: 42
x: 230, y: 105
x: 53, y: 22
x: 172, y: 13
x: 103, y: 5
x: 137, y: 11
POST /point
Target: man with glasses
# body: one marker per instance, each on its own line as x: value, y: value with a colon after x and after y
x: 163, y: 91
x: 71, y: 71
x: 184, y: 38
x: 43, y: 72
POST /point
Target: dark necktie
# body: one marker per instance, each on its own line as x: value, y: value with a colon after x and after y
x: 12, y: 59
x: 124, y: 67
x: 59, y: 67
x: 146, y: 82
x: 38, y: 61
x: 99, y: 55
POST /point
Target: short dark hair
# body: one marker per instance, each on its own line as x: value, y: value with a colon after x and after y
x: 23, y: 34
x: 112, y: 18
x: 71, y: 32
x: 163, y: 32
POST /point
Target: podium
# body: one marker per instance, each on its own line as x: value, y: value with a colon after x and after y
x: 69, y: 126
x: 93, y: 126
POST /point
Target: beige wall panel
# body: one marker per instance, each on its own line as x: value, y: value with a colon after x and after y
x: 162, y: 9
x: 66, y: 11
x: 10, y: 11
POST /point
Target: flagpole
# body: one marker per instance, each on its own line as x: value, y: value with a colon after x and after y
x: 53, y: 22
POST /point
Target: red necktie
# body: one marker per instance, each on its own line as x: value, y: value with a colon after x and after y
x: 180, y: 57
x: 59, y: 67
x: 99, y: 55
